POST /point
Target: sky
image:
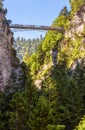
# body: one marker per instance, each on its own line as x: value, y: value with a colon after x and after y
x: 33, y: 12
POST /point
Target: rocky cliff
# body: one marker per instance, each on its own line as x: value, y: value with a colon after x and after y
x: 10, y: 70
x: 73, y: 44
x: 77, y: 24
x: 72, y: 52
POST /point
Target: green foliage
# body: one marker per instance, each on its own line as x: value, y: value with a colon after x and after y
x: 60, y: 103
x: 42, y: 115
x: 71, y: 52
x: 19, y: 117
x: 26, y: 57
x: 51, y: 40
x: 61, y: 21
x: 34, y: 64
x: 21, y: 106
x: 76, y: 4
x: 2, y: 103
x: 40, y: 54
x: 38, y: 118
x: 55, y: 127
x: 81, y: 125
x: 64, y: 11
x: 4, y: 111
x: 65, y: 95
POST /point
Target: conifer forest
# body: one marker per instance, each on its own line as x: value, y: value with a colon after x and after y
x: 42, y: 80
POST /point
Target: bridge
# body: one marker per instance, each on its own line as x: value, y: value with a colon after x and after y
x: 36, y: 27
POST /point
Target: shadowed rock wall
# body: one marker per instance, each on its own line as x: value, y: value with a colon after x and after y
x: 11, y: 73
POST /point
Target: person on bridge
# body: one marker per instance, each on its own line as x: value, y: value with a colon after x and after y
x: 54, y: 56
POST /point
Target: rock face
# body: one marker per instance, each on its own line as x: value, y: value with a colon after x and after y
x: 77, y: 30
x: 10, y: 70
x: 77, y: 24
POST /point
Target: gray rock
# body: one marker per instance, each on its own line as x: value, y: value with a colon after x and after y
x: 11, y: 73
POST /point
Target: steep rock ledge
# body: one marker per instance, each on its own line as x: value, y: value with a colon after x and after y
x: 77, y: 24
x: 10, y: 69
x: 73, y: 44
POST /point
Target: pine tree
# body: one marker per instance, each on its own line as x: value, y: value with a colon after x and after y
x: 42, y: 115
x: 64, y: 11
x: 22, y: 104
x: 18, y: 114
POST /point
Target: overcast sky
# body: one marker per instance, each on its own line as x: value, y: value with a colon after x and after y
x: 33, y: 12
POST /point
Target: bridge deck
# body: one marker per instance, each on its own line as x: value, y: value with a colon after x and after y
x: 35, y: 27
